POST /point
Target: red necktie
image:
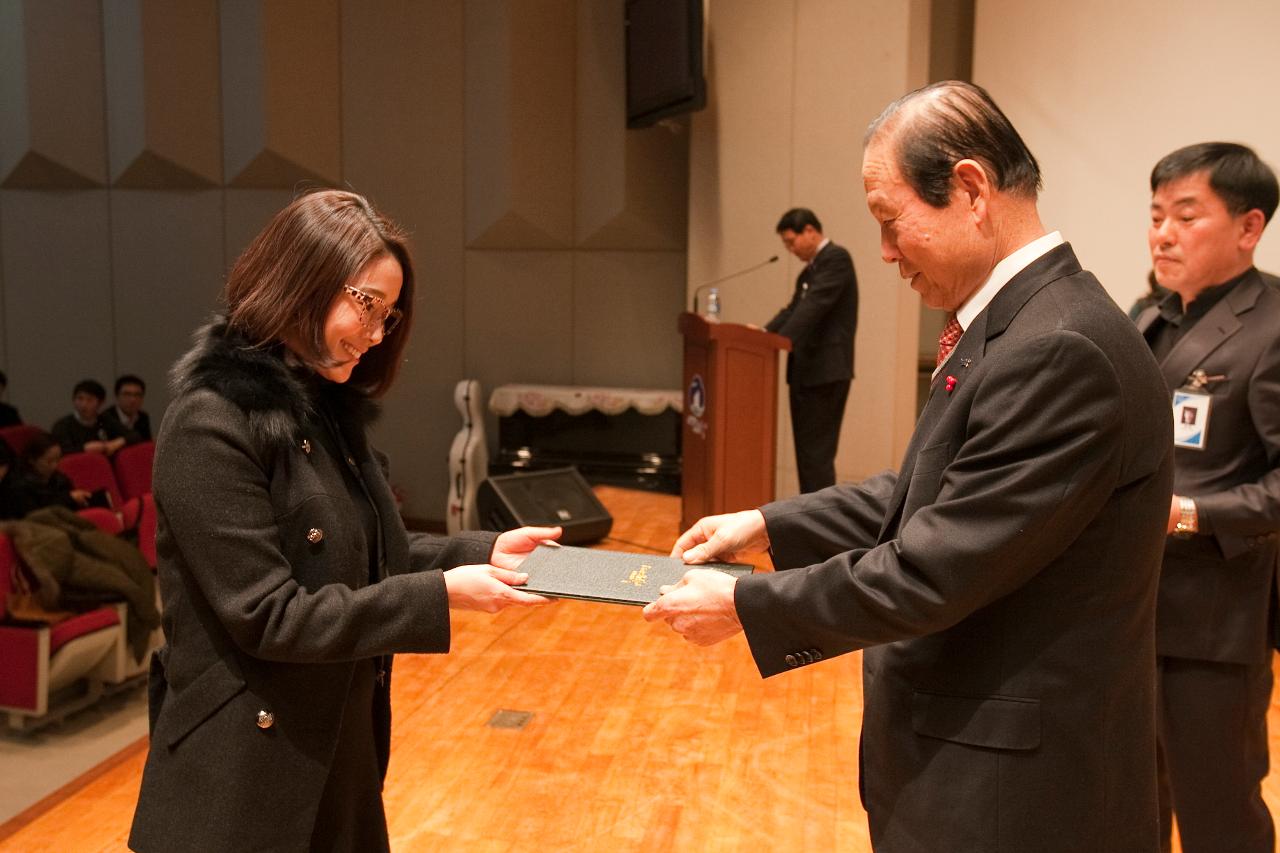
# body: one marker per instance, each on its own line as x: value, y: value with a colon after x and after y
x: 947, y: 340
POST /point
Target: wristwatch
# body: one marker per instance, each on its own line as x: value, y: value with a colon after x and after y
x: 1188, y: 519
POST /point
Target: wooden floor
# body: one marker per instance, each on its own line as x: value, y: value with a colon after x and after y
x: 638, y: 741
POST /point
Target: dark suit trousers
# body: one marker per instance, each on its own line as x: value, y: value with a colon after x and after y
x: 1213, y: 755
x: 816, y: 413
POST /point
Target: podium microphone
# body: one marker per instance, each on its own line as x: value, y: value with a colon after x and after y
x: 741, y: 272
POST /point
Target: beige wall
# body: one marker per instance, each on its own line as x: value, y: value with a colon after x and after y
x: 140, y: 151
x: 1104, y: 89
x: 792, y: 87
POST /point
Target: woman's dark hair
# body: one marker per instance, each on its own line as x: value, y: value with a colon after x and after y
x: 284, y: 284
x: 941, y: 124
x: 1236, y: 174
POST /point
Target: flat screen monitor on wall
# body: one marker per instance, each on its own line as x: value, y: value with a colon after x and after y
x: 664, y: 60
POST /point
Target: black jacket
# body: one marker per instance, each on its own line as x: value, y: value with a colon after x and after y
x: 821, y: 319
x: 265, y: 576
x: 1003, y: 584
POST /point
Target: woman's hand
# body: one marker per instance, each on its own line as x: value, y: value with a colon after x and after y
x: 512, y: 547
x: 488, y: 589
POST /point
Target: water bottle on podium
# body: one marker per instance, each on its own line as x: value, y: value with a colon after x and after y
x: 713, y: 305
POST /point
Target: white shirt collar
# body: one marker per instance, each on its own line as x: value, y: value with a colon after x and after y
x: 1003, y: 272
x: 1000, y: 276
x: 818, y: 251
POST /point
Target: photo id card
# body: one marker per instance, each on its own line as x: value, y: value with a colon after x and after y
x: 1190, y: 419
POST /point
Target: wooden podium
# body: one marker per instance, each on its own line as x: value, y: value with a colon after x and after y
x: 730, y: 417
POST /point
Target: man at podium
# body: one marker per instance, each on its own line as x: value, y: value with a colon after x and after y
x: 820, y: 320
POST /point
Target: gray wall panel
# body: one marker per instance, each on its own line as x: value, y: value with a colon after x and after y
x: 247, y: 213
x: 167, y: 250
x: 643, y: 290
x: 55, y: 251
x: 520, y: 317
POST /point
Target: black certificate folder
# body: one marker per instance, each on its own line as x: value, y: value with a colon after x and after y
x: 617, y: 577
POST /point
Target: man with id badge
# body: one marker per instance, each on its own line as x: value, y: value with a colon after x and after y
x: 1217, y: 340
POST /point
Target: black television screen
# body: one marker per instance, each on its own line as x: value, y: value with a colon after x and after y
x: 664, y: 60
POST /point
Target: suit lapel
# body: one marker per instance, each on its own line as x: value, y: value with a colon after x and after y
x: 1210, y: 332
x: 966, y: 356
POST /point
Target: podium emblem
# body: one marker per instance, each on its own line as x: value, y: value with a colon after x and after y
x: 697, y: 396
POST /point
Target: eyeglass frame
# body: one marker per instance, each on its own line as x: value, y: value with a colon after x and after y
x: 391, y: 315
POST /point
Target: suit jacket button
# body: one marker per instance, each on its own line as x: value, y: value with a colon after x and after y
x: 807, y: 656
x: 817, y: 655
x: 315, y: 535
x: 266, y: 719
x: 792, y: 661
x: 306, y: 446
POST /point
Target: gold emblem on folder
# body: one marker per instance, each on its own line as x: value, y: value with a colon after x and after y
x: 640, y: 576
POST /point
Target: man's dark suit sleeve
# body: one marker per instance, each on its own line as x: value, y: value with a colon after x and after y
x: 1040, y: 457
x: 839, y: 518
x: 1251, y: 509
x: 831, y: 273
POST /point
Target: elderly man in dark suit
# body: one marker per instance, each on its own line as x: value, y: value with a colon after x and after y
x: 1217, y: 338
x: 1003, y: 581
x: 821, y: 320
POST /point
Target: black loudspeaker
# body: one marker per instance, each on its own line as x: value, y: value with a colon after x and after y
x: 557, y: 497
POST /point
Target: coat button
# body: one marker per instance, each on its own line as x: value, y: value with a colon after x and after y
x: 807, y: 656
x: 817, y: 655
x: 306, y: 446
x: 266, y: 719
x: 351, y: 460
x: 792, y: 661
x: 315, y: 535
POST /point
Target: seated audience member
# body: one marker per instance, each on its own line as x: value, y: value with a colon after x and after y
x: 42, y: 484
x: 11, y: 499
x: 127, y: 412
x: 85, y: 430
x: 8, y: 414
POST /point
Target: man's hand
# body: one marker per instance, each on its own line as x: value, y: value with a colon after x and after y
x: 510, y: 548
x: 723, y: 537
x: 699, y: 608
x: 487, y: 588
x: 1175, y: 513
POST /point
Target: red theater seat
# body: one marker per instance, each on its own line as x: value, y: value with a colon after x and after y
x: 19, y: 436
x: 132, y: 467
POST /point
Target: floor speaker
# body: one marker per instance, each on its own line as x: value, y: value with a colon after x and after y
x: 557, y: 497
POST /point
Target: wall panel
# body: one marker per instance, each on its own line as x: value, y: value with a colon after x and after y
x: 167, y: 273
x: 625, y: 309
x: 164, y: 119
x: 52, y: 128
x: 519, y: 123
x: 58, y: 306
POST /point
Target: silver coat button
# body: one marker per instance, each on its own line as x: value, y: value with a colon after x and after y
x: 266, y: 719
x: 791, y: 661
x: 315, y: 535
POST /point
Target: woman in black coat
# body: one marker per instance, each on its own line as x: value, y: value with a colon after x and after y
x: 287, y: 577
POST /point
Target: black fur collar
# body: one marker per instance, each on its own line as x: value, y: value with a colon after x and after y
x: 278, y: 397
